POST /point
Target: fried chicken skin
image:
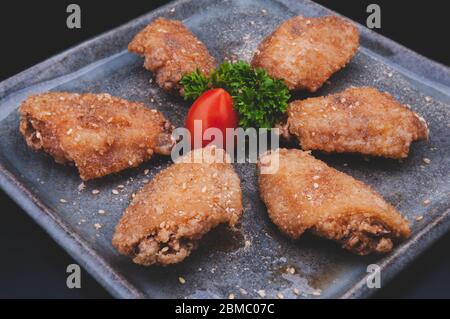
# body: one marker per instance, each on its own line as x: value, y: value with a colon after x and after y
x: 357, y: 120
x: 305, y: 52
x: 167, y: 218
x: 98, y: 133
x: 170, y: 51
x: 306, y: 194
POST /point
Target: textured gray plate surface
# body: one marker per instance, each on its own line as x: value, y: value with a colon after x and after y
x: 255, y: 256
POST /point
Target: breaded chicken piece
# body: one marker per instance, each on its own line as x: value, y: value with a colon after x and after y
x: 306, y: 194
x: 98, y: 133
x: 357, y: 120
x: 170, y: 51
x: 305, y: 52
x: 171, y: 213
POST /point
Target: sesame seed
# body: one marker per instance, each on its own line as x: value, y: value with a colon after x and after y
x: 97, y: 226
x: 101, y: 211
x: 81, y: 187
x: 316, y: 293
x: 316, y: 177
x: 428, y: 99
x: 62, y: 200
x: 264, y: 11
x: 146, y: 171
x: 115, y: 191
x: 426, y: 202
x: 164, y: 249
x: 231, y: 296
x: 120, y: 186
x: 204, y: 189
x: 69, y: 131
x: 316, y: 185
x: 243, y: 291
x: 419, y: 218
x: 95, y: 191
x: 280, y: 295
x: 184, y: 185
x: 296, y: 291
x: 182, y: 280
x: 426, y: 160
x: 262, y: 293
x: 290, y: 270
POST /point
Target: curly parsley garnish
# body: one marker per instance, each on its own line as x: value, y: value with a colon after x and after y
x: 259, y: 99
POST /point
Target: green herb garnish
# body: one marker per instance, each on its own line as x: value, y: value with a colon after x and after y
x: 259, y: 99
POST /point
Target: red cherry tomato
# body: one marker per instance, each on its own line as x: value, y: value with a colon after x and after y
x: 214, y: 109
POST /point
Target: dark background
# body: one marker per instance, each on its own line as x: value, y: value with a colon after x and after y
x: 33, y: 266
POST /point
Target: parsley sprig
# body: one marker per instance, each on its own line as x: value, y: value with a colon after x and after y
x: 259, y: 99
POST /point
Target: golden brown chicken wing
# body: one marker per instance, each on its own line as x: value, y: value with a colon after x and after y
x: 170, y: 51
x: 305, y: 52
x: 357, y: 120
x: 171, y: 213
x: 99, y: 133
x: 306, y: 194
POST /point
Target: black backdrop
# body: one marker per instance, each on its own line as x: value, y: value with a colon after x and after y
x: 32, y: 265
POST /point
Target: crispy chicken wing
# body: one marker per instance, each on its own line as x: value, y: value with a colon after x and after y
x: 306, y: 194
x: 305, y: 52
x: 99, y: 133
x: 357, y: 120
x: 180, y: 205
x: 170, y: 51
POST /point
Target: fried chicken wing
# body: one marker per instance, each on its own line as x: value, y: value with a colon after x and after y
x: 306, y: 194
x: 98, y: 133
x: 305, y: 52
x: 171, y: 213
x: 170, y: 51
x: 357, y: 120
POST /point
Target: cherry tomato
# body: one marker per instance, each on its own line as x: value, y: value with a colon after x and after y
x: 214, y: 109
